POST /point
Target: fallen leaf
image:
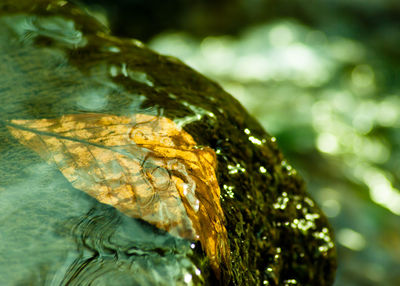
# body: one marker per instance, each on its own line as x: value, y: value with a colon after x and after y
x: 145, y: 166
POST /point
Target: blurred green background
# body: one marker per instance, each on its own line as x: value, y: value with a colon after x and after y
x: 323, y: 77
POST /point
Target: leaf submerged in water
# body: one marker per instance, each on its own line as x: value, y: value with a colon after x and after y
x: 145, y: 166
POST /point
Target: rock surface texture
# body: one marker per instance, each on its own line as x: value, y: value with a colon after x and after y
x: 162, y: 144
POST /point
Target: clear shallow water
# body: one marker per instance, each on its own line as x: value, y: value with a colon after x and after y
x: 52, y: 234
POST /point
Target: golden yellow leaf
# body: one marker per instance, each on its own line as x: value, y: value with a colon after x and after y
x: 145, y: 166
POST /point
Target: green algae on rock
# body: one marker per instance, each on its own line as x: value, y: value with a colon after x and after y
x: 58, y: 60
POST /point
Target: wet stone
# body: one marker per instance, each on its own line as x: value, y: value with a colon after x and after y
x: 235, y: 213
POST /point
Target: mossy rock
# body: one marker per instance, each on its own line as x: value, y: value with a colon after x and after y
x: 57, y: 60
